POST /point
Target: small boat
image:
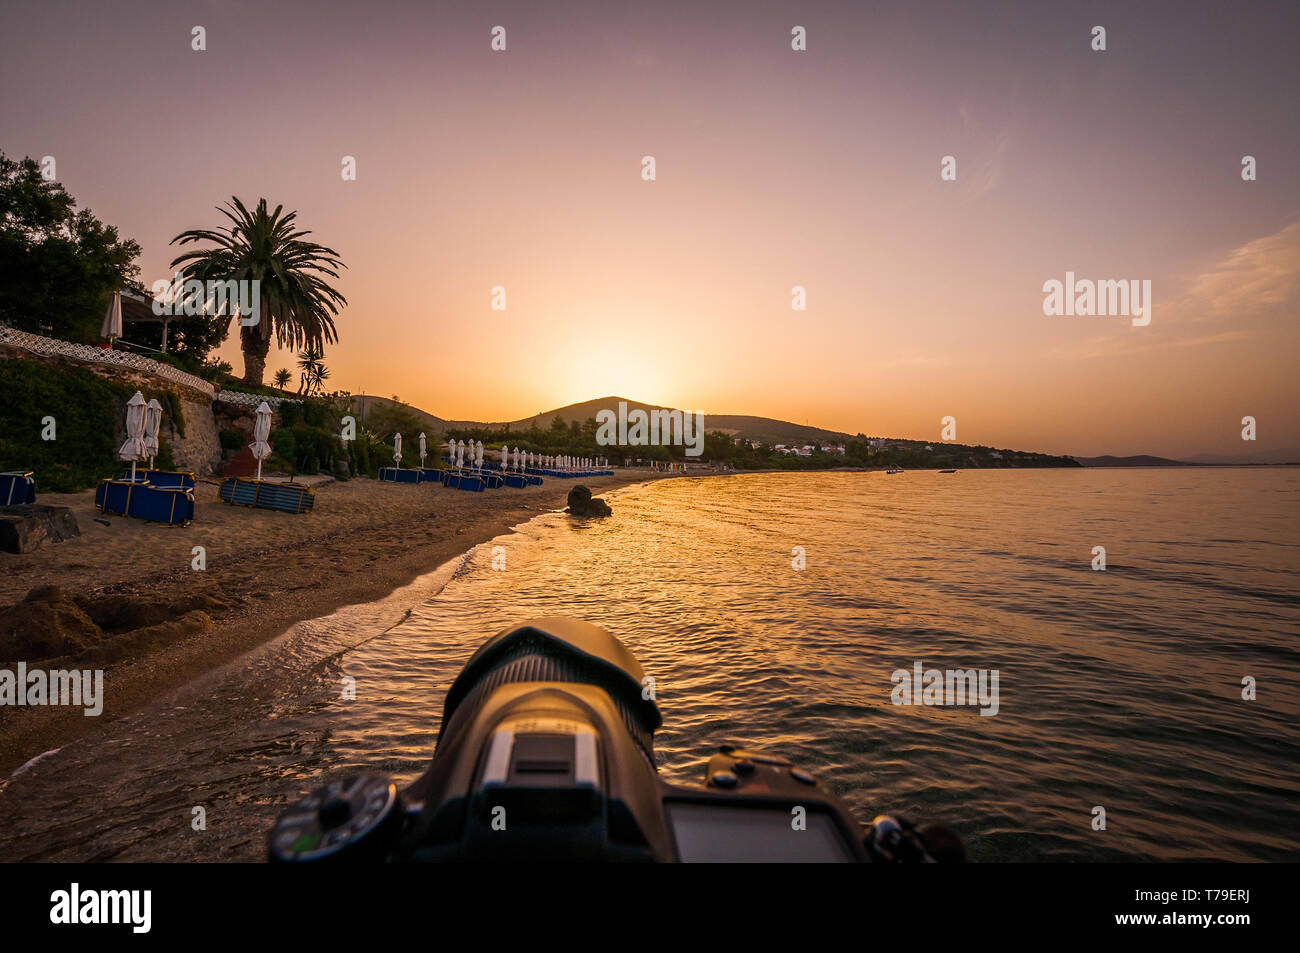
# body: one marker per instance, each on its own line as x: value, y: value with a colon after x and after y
x: 949, y: 470
x: 894, y: 470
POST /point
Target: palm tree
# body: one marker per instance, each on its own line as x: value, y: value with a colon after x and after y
x: 308, y: 359
x: 282, y: 378
x: 317, y: 378
x: 297, y: 305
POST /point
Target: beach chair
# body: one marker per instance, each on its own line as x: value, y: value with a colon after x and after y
x: 434, y: 475
x: 17, y: 487
x: 172, y: 506
x: 164, y: 479
x: 398, y: 475
x: 267, y: 495
x: 464, y: 480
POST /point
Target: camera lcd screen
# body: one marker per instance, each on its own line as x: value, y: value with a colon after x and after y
x: 725, y: 833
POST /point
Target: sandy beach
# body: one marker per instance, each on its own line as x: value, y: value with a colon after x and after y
x: 165, y: 622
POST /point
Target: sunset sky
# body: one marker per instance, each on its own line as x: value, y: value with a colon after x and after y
x: 775, y: 168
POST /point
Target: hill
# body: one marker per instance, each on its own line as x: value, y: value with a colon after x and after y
x: 764, y: 429
x: 1139, y: 460
x: 363, y: 406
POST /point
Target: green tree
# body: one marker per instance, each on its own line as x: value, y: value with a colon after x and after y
x: 58, y: 265
x: 316, y: 381
x: 307, y: 361
x: 297, y: 304
x: 282, y: 378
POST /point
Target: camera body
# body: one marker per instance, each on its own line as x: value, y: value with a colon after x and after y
x: 546, y: 752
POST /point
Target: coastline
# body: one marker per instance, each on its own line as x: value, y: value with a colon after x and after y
x: 265, y: 572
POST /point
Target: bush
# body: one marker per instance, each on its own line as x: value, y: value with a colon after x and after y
x: 232, y: 439
x: 174, y: 408
x: 85, y: 409
x: 164, y: 460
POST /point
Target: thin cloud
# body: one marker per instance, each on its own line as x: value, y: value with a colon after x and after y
x: 1254, y: 277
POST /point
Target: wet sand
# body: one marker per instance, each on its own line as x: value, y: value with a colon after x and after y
x: 267, y: 570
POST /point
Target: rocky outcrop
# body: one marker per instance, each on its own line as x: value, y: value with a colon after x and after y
x: 24, y: 527
x: 45, y: 624
x: 582, y: 503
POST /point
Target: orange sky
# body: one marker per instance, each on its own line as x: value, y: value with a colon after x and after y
x: 775, y: 169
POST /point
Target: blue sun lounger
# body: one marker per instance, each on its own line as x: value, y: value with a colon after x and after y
x: 434, y: 475
x: 398, y: 475
x: 17, y: 486
x: 465, y: 481
x: 172, y: 505
x: 163, y: 479
x: 266, y: 495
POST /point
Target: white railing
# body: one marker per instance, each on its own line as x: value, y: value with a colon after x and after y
x: 252, y: 400
x: 99, y: 355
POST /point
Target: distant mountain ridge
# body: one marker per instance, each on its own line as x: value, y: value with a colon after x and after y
x: 765, y: 429
x: 1138, y: 460
x: 772, y: 431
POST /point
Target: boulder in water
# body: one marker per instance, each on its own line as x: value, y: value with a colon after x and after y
x: 582, y: 503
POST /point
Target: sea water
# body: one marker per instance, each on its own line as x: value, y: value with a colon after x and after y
x: 772, y: 610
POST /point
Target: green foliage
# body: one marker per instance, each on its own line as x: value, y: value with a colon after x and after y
x: 58, y: 265
x: 232, y: 439
x: 174, y: 408
x: 387, y: 419
x: 366, y: 452
x: 85, y: 409
x: 307, y: 440
x: 214, y: 370
x: 164, y: 459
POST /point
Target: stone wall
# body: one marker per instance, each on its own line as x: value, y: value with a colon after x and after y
x: 200, y: 449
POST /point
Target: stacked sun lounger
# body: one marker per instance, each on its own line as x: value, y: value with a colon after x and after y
x: 171, y: 505
x: 398, y: 475
x: 567, y: 474
x: 164, y: 479
x: 17, y: 487
x: 268, y: 495
x: 465, y: 480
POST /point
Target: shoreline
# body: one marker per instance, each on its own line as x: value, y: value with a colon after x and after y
x: 364, y: 540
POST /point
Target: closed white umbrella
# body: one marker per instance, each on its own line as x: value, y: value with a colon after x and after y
x: 397, y: 449
x: 422, y: 449
x: 478, y: 455
x: 261, y: 430
x: 505, y: 457
x: 460, y: 453
x: 112, y: 326
x: 134, y: 448
x: 152, y: 421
